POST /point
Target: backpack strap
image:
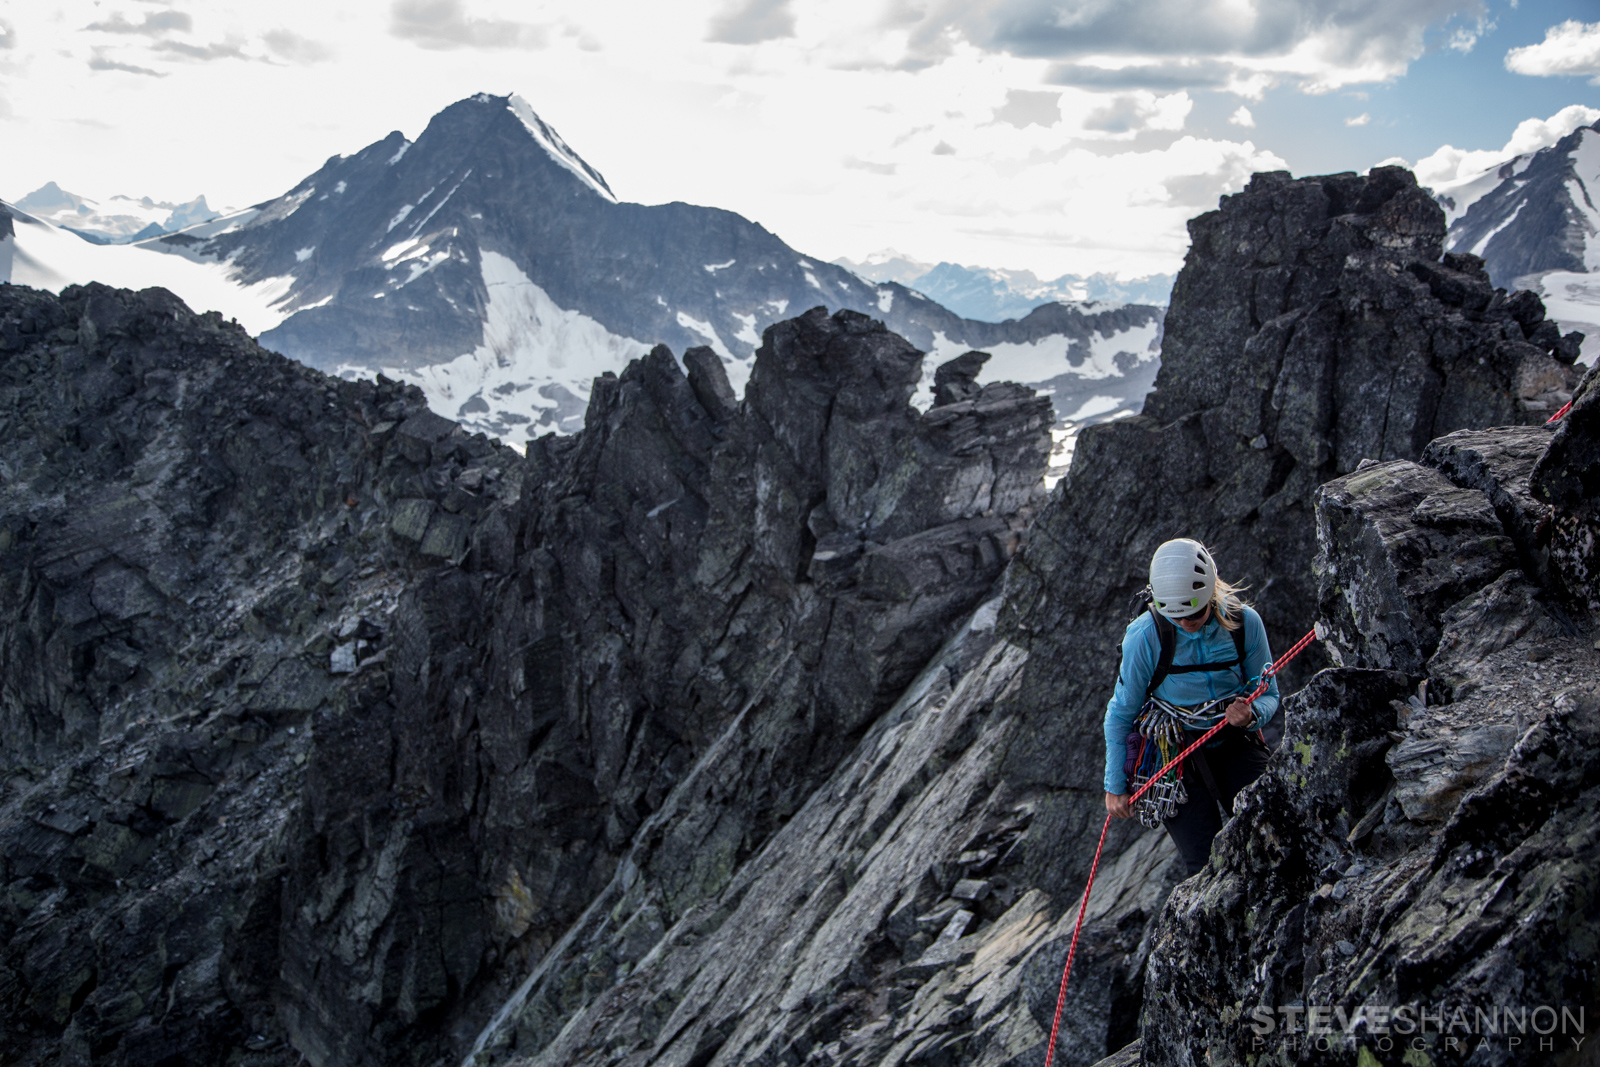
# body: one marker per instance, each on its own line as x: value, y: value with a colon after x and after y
x: 1238, y: 647
x: 1167, y: 635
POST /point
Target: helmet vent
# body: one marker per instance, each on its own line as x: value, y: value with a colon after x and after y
x: 1199, y: 585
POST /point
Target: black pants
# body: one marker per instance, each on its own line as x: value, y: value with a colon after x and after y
x: 1236, y: 762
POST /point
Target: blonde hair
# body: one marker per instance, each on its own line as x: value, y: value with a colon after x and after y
x: 1228, y: 604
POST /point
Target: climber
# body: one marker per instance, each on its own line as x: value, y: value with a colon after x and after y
x: 1187, y: 662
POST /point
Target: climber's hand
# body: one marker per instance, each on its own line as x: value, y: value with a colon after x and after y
x: 1117, y: 804
x: 1239, y: 713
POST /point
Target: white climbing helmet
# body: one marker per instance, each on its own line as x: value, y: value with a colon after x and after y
x: 1182, y: 578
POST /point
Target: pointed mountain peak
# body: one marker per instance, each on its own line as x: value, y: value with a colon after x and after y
x: 51, y: 197
x: 545, y: 136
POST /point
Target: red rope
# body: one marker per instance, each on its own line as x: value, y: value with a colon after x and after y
x: 1564, y: 409
x: 1083, y: 906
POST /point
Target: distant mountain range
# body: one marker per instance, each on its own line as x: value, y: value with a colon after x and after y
x: 993, y: 295
x: 1535, y: 220
x: 119, y: 220
x: 492, y: 265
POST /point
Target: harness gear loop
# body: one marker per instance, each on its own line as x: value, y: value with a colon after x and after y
x: 1317, y: 633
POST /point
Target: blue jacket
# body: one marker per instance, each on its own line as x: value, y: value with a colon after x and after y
x: 1141, y: 649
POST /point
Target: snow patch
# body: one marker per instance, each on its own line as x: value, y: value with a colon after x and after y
x: 429, y: 216
x: 712, y: 268
x: 1573, y: 301
x: 533, y: 352
x: 48, y: 257
x: 303, y: 254
x: 811, y: 279
x: 236, y: 220
x: 1483, y: 242
x: 1456, y: 197
x: 885, y: 300
x: 1050, y: 357
x: 551, y: 142
x: 704, y: 329
x: 747, y: 330
x: 341, y: 187
x: 779, y: 306
x: 394, y: 253
x: 405, y: 146
x: 419, y: 266
x: 1095, y: 405
x: 400, y: 216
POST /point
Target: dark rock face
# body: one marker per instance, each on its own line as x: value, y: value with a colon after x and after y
x: 1568, y: 478
x: 1410, y: 844
x: 330, y: 717
x: 1316, y: 326
x: 199, y: 573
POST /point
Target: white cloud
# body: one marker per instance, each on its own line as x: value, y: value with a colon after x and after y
x: 1242, y: 117
x: 1321, y: 44
x: 1024, y: 107
x: 1358, y: 120
x: 753, y: 21
x: 1450, y: 164
x: 442, y: 24
x: 1127, y: 114
x: 290, y: 46
x: 1049, y: 178
x: 1571, y: 47
x: 154, y: 24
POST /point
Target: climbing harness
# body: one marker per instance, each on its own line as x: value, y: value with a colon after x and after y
x: 1564, y: 409
x: 1161, y: 729
x: 1318, y: 632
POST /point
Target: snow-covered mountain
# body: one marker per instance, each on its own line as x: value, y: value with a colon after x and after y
x: 489, y: 263
x: 1536, y: 222
x: 117, y: 220
x: 38, y: 253
x: 992, y: 294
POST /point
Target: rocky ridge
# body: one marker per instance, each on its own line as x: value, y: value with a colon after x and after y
x: 705, y: 736
x: 252, y: 602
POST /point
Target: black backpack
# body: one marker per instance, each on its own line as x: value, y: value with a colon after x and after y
x: 1167, y: 635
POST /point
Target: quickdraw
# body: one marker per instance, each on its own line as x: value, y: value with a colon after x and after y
x: 1162, y: 727
x: 1318, y: 632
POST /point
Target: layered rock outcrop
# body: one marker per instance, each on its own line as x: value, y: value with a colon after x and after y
x: 721, y: 732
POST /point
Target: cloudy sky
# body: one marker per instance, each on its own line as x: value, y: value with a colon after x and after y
x: 1050, y: 135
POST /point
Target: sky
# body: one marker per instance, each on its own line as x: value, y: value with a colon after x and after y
x: 1049, y: 135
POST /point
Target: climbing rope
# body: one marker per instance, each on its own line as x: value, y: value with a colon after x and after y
x: 1564, y: 409
x: 1317, y: 633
